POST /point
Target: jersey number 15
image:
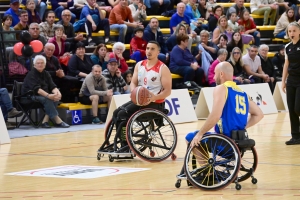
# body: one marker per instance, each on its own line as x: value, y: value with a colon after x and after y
x: 240, y: 106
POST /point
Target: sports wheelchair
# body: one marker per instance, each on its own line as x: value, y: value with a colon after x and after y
x: 148, y: 134
x: 219, y: 161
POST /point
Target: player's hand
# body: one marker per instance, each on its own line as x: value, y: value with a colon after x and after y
x: 196, y: 140
x: 150, y: 99
x: 283, y: 86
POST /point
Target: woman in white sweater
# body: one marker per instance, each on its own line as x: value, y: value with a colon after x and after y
x: 285, y: 19
x: 138, y: 11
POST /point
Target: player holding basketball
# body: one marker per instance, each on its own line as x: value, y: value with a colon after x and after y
x: 151, y: 74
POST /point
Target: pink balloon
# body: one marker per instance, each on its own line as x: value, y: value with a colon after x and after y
x: 18, y: 48
x: 37, y: 46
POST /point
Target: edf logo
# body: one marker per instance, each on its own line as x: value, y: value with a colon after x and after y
x: 173, y: 106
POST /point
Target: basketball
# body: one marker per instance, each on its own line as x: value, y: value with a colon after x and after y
x: 140, y: 95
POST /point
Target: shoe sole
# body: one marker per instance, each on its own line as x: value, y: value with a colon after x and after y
x: 17, y: 115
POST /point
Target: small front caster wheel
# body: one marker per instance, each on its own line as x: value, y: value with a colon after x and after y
x: 178, y: 184
x: 110, y: 158
x: 254, y: 180
x: 238, y: 187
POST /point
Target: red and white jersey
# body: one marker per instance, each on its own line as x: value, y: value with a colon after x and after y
x: 150, y: 78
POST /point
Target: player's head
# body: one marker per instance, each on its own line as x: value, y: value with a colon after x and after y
x: 97, y: 71
x: 223, y: 73
x: 293, y: 31
x: 152, y: 50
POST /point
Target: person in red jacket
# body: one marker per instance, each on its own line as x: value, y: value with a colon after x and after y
x: 138, y: 46
x: 117, y: 53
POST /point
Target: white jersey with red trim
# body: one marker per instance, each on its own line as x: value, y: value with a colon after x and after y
x: 150, y: 78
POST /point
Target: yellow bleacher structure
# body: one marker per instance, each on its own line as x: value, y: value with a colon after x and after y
x: 79, y: 106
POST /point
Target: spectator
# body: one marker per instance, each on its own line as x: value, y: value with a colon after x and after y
x: 222, y: 55
x: 34, y: 31
x: 80, y: 64
x: 33, y: 15
x: 220, y: 29
x: 22, y: 25
x: 8, y: 111
x: 209, y: 46
x: 202, y: 9
x: 253, y: 66
x: 114, y: 80
x: 285, y: 19
x: 78, y: 5
x: 46, y: 92
x: 268, y: 8
x: 7, y: 21
x: 249, y: 26
x: 237, y: 8
x: 236, y: 61
x: 138, y: 46
x: 213, y: 18
x: 13, y: 11
x: 180, y: 30
x: 69, y: 32
x: 40, y: 6
x: 278, y: 62
x: 182, y: 62
x: 236, y: 41
x: 222, y: 43
x: 232, y: 22
x: 267, y: 65
x: 138, y: 11
x: 94, y: 92
x: 59, y: 6
x: 118, y: 50
x: 46, y: 28
x: 152, y: 33
x: 156, y: 7
x: 197, y: 19
x: 179, y: 17
x: 120, y: 19
x: 100, y: 56
x: 210, y: 5
x: 127, y: 76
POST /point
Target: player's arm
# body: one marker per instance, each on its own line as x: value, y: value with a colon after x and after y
x: 134, y: 79
x: 255, y: 114
x: 219, y: 99
x: 166, y: 81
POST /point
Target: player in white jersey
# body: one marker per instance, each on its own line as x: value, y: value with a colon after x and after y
x: 152, y: 74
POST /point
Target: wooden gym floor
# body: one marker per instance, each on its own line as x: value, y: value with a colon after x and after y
x: 277, y: 173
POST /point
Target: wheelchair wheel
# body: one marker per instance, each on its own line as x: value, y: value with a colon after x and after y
x: 249, y: 162
x: 151, y: 135
x: 214, y: 164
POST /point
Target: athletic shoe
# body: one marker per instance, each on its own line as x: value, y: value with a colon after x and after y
x: 96, y: 120
x: 292, y: 141
x: 14, y: 113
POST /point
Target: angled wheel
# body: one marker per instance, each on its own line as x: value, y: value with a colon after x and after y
x: 249, y: 162
x: 214, y: 164
x: 151, y: 135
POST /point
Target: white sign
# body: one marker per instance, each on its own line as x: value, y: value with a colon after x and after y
x: 280, y: 97
x: 179, y: 104
x: 78, y: 171
x: 259, y: 93
x: 4, y: 137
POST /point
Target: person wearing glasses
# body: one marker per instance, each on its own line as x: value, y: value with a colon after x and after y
x: 118, y: 50
x: 214, y: 17
x: 59, y: 6
x: 34, y: 31
x: 22, y: 25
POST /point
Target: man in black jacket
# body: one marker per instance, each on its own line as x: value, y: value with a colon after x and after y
x: 278, y: 62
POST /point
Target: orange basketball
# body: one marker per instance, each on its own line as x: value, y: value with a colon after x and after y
x: 140, y: 95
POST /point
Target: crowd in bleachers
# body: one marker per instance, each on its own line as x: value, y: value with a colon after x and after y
x: 202, y: 34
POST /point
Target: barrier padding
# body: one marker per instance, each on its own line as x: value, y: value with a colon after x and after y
x: 79, y: 106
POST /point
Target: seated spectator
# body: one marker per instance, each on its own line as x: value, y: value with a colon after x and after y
x: 138, y: 11
x: 69, y: 32
x: 182, y: 62
x: 180, y: 30
x: 213, y: 18
x: 78, y: 5
x: 59, y: 6
x: 22, y: 25
x: 236, y: 41
x: 94, y: 92
x: 118, y: 50
x: 13, y: 11
x: 267, y: 65
x: 34, y: 30
x: 209, y: 46
x: 156, y: 7
x: 222, y: 55
x: 46, y: 28
x: 220, y: 29
x: 197, y: 19
x: 232, y: 22
x: 210, y: 5
x: 285, y: 19
x: 180, y: 18
x: 138, y: 46
x: 100, y: 56
x: 237, y: 8
x: 267, y: 8
x: 8, y: 111
x: 80, y: 64
x: 46, y: 92
x: 127, y: 76
x: 33, y: 15
x: 236, y: 61
x: 59, y: 42
x: 120, y: 19
x: 7, y: 21
x: 152, y: 33
x: 64, y: 82
x: 249, y: 26
x: 222, y: 43
x: 253, y: 66
x: 278, y: 62
x: 202, y: 9
x: 114, y: 80
x: 94, y: 20
x: 40, y: 7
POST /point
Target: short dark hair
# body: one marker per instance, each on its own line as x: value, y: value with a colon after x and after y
x: 152, y: 18
x: 216, y: 7
x: 180, y: 38
x: 254, y: 46
x: 22, y: 12
x: 95, y: 52
x: 47, y: 13
x: 6, y: 17
x: 154, y: 42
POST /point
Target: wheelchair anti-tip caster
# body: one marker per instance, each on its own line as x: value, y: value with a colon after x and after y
x: 98, y: 157
x: 173, y: 156
x: 152, y: 153
x: 254, y: 180
x: 110, y: 158
x: 178, y: 183
x: 238, y: 186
